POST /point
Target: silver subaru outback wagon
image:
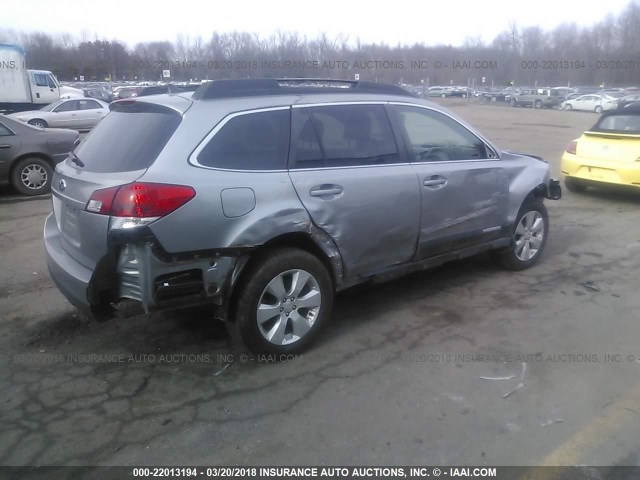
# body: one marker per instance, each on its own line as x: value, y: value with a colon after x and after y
x: 263, y: 198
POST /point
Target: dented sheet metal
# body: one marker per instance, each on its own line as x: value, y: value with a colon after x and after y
x: 138, y: 268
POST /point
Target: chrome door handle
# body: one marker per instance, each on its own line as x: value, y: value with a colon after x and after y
x: 321, y: 192
x: 5, y: 146
x: 434, y: 182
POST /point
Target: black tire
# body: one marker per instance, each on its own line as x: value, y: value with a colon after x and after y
x: 538, y: 104
x: 32, y: 176
x: 38, y: 122
x: 507, y: 257
x: 568, y: 107
x: 574, y: 185
x: 267, y: 267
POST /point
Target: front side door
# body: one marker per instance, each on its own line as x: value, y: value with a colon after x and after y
x: 66, y: 115
x: 354, y: 181
x: 464, y: 187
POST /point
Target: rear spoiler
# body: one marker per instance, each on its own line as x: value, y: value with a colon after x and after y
x: 612, y: 134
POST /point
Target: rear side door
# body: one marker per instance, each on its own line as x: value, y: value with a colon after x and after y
x: 89, y: 114
x: 587, y: 103
x: 354, y: 181
x: 464, y: 188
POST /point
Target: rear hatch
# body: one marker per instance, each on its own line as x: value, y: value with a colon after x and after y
x: 117, y: 151
x: 609, y: 147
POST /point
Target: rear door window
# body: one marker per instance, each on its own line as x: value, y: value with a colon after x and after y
x: 250, y: 141
x: 128, y: 139
x: 89, y: 104
x: 344, y: 135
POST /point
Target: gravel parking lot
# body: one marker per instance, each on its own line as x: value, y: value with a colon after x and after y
x: 397, y: 378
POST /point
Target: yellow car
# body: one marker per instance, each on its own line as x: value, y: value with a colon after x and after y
x: 608, y: 153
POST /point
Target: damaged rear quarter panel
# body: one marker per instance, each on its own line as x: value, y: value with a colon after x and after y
x: 202, y: 224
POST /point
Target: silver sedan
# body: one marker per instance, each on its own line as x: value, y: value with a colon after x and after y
x: 80, y: 114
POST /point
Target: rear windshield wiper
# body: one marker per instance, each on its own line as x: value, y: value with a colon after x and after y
x: 76, y: 160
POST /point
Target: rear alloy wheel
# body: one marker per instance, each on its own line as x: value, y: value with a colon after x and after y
x: 286, y: 298
x: 32, y: 176
x: 568, y: 107
x: 513, y: 103
x: 529, y: 238
x: 538, y: 104
x: 38, y: 122
x: 574, y: 185
x: 598, y: 109
x: 443, y: 95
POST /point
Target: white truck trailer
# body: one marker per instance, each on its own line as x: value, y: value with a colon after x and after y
x: 22, y: 89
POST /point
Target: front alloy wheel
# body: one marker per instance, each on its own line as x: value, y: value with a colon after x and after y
x: 529, y: 237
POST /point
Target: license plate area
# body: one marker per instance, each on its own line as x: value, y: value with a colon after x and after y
x: 67, y: 218
x: 601, y: 174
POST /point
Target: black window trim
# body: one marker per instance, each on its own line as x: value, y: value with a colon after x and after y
x: 193, y: 158
x: 488, y: 145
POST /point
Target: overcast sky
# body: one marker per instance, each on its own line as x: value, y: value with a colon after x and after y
x: 430, y: 21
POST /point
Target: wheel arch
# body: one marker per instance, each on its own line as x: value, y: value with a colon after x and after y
x: 316, y: 242
x: 36, y: 119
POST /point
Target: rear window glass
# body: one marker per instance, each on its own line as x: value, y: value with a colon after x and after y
x: 125, y: 141
x: 253, y: 141
x: 619, y: 123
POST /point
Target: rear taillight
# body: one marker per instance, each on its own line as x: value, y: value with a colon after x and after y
x: 571, y: 148
x: 140, y: 200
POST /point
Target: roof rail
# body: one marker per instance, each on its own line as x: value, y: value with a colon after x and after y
x: 252, y: 87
